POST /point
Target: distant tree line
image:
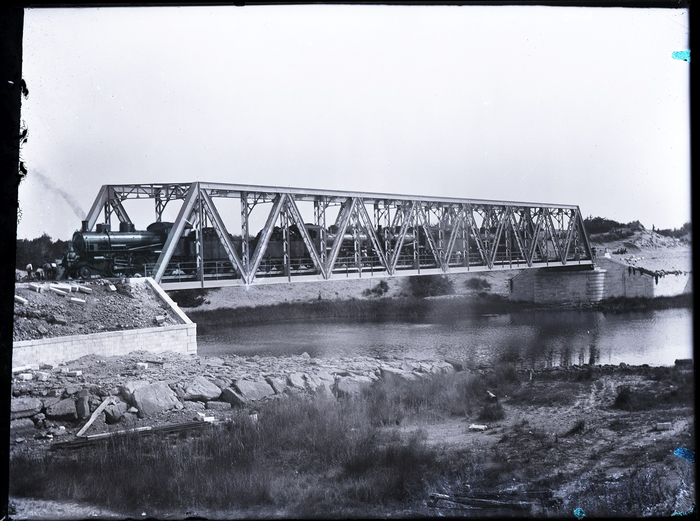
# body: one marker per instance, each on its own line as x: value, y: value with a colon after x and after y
x: 684, y: 230
x: 610, y: 230
x: 596, y: 225
x: 38, y: 251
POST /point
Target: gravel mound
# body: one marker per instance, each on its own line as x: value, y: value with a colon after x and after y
x: 95, y: 308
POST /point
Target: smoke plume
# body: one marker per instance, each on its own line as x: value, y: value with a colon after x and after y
x: 49, y: 184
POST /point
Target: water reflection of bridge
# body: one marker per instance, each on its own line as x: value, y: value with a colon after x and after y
x: 323, y: 234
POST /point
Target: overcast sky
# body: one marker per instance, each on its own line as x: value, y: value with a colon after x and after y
x: 570, y: 105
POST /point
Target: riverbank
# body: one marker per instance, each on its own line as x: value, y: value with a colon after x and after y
x: 414, y: 308
x: 356, y: 438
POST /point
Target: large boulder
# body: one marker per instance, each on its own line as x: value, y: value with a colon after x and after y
x: 114, y: 412
x: 201, y: 389
x: 232, y: 396
x: 392, y: 373
x: 82, y: 403
x: 296, y: 380
x: 24, y: 407
x: 278, y: 383
x: 347, y: 386
x: 62, y: 410
x: 254, y: 390
x: 22, y: 427
x: 126, y: 390
x: 155, y: 398
x: 320, y: 382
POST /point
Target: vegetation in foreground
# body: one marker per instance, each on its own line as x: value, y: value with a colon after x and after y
x: 318, y: 456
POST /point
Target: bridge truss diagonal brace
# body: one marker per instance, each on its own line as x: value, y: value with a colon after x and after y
x: 265, y: 237
x: 342, y: 221
x: 515, y: 228
x: 458, y: 225
x: 221, y: 231
x: 297, y: 219
x: 114, y: 204
x: 569, y: 235
x: 468, y: 210
x: 370, y: 230
x: 100, y: 201
x: 189, y: 206
x: 423, y: 218
x: 409, y: 217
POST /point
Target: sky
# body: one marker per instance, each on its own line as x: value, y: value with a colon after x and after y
x: 563, y: 105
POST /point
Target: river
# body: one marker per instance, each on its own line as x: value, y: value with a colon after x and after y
x: 532, y: 339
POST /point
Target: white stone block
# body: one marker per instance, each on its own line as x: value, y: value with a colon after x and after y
x: 21, y: 300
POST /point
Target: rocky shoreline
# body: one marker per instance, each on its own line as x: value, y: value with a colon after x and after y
x: 51, y: 403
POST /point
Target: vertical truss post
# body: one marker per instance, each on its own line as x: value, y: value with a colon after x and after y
x: 286, y: 254
x: 320, y: 205
x: 296, y: 217
x: 221, y: 231
x: 187, y: 209
x: 245, y: 235
x: 344, y: 215
x: 371, y: 232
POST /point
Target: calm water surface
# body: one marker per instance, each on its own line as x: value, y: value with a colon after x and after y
x: 533, y: 339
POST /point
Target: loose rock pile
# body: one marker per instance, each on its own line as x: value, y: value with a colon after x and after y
x: 145, y: 389
x: 46, y: 309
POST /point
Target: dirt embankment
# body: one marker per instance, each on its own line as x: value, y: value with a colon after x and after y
x: 87, y: 307
x: 647, y: 249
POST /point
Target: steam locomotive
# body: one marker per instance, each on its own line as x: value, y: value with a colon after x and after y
x: 129, y: 252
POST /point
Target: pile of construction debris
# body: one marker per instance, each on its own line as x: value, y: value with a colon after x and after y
x: 49, y: 309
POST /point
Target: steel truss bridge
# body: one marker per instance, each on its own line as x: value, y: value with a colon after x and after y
x: 344, y: 234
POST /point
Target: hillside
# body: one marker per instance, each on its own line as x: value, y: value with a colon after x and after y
x: 639, y: 247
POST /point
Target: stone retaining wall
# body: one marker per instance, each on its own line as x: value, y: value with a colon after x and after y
x: 621, y: 281
x: 180, y: 338
x: 556, y: 286
x: 610, y: 278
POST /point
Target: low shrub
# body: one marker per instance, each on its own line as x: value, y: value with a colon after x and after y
x: 430, y: 285
x: 492, y: 412
x: 477, y: 284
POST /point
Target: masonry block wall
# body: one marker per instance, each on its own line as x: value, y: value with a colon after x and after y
x: 550, y: 286
x: 180, y: 338
x: 621, y: 282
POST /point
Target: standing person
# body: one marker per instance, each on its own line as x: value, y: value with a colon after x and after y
x: 48, y: 271
x: 29, y: 269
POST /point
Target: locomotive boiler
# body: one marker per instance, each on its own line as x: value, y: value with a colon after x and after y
x: 104, y: 252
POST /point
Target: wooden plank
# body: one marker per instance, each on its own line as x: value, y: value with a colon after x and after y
x: 105, y: 403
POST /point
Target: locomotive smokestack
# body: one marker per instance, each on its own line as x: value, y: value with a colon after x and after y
x: 85, y: 226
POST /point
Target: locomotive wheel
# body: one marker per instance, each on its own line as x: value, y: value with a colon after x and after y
x: 138, y: 265
x: 85, y: 272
